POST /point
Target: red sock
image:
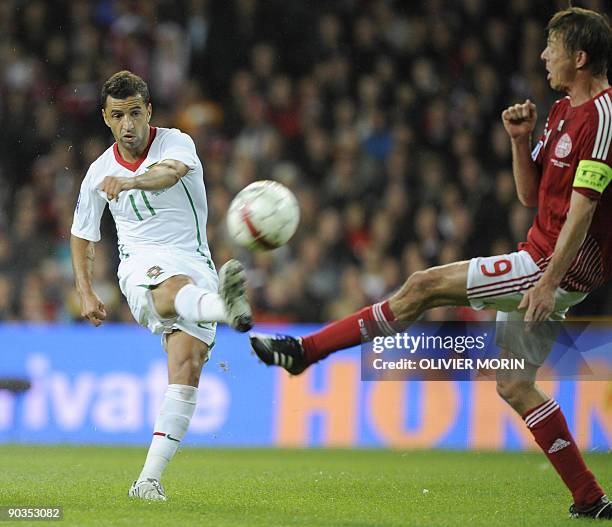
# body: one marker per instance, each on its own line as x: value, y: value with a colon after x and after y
x: 349, y: 331
x: 551, y: 433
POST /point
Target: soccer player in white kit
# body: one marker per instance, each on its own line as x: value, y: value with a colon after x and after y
x: 152, y: 181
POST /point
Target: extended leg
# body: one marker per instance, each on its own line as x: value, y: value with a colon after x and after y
x: 186, y: 356
x: 435, y: 287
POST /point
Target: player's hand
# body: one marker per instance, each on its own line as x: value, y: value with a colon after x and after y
x: 538, y: 303
x: 520, y: 119
x: 112, y: 186
x: 92, y: 308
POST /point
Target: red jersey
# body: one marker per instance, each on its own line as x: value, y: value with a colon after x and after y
x: 574, y: 154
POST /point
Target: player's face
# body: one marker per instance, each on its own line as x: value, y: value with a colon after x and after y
x: 559, y: 64
x: 128, y: 120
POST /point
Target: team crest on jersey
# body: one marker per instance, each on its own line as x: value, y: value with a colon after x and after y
x: 154, y: 271
x: 564, y: 146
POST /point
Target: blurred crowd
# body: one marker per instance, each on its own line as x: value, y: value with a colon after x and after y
x: 382, y: 116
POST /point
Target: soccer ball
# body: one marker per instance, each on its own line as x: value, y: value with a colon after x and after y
x: 263, y: 216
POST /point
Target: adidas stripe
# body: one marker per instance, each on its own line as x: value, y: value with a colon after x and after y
x: 604, y: 127
x: 541, y: 413
x: 383, y: 323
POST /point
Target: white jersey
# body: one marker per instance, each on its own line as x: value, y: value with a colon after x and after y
x: 173, y: 218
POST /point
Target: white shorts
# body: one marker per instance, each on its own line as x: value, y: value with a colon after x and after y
x: 144, y: 269
x: 499, y: 282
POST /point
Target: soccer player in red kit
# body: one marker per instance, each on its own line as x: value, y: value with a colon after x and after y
x: 568, y: 251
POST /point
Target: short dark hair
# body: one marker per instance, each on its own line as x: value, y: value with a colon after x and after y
x: 584, y: 30
x: 124, y: 84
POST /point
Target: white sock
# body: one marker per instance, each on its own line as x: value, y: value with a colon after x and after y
x: 195, y: 304
x: 170, y: 426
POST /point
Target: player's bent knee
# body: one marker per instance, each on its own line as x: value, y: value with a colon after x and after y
x: 164, y: 294
x: 512, y: 390
x: 174, y: 284
x: 426, y: 284
x: 414, y: 294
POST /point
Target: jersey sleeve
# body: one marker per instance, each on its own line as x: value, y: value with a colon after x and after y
x: 180, y: 147
x: 594, y: 172
x: 88, y: 211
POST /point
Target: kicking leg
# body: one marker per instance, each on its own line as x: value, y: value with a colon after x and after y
x: 438, y: 286
x: 545, y: 420
x: 179, y: 296
x: 186, y: 356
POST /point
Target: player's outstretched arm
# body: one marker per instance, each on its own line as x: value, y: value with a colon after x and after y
x: 540, y: 300
x: 162, y: 175
x: 519, y: 121
x: 83, y: 256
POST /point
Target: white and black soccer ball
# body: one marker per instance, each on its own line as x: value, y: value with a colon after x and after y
x: 263, y: 216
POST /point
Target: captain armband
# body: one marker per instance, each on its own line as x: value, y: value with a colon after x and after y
x: 594, y: 175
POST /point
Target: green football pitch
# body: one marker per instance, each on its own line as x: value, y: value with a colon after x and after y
x: 270, y: 487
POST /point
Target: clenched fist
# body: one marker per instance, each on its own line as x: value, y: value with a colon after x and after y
x: 92, y: 308
x: 114, y: 185
x: 520, y: 119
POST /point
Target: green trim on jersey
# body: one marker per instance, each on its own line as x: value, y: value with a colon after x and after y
x: 199, y: 237
x: 134, y: 207
x: 593, y: 175
x: 146, y: 201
